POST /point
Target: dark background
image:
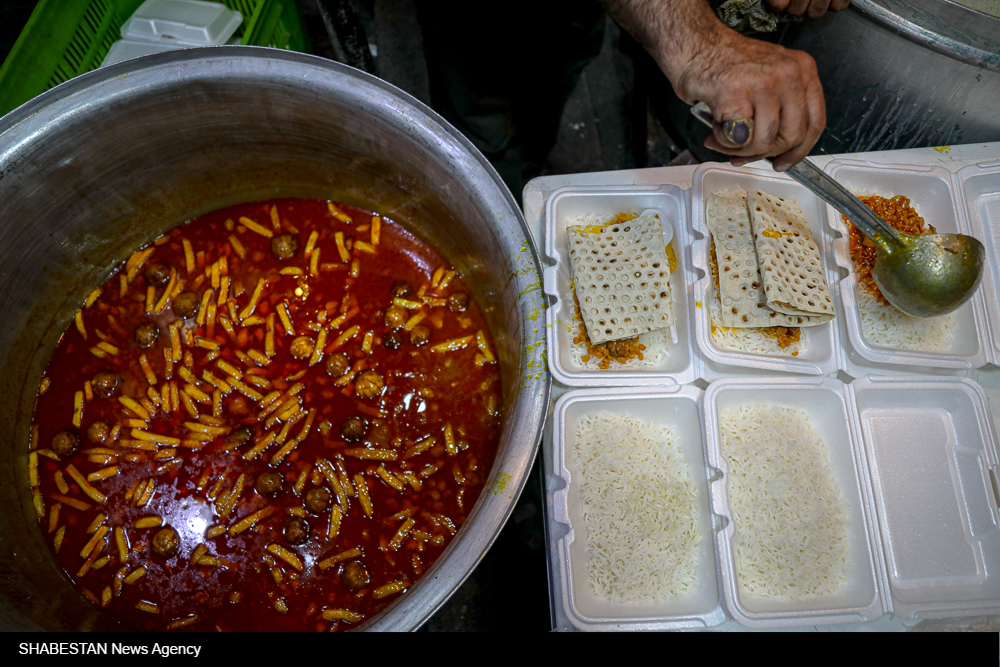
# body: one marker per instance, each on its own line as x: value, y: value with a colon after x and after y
x: 607, y: 125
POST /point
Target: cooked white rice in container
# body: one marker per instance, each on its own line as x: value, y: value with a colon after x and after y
x: 746, y: 339
x: 791, y: 519
x: 639, y: 507
x: 886, y: 326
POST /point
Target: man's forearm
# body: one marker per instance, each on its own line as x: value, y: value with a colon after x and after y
x: 674, y: 32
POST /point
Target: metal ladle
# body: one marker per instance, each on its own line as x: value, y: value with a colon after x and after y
x: 921, y: 275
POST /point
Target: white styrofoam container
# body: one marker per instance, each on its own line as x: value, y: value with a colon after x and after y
x: 820, y: 343
x: 679, y: 408
x: 126, y: 49
x: 931, y: 448
x: 187, y: 22
x: 979, y: 194
x: 826, y: 402
x: 914, y: 458
x: 679, y: 364
x: 932, y: 194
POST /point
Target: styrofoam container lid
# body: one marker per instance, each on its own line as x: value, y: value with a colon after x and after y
x: 819, y: 353
x: 826, y: 402
x: 678, y: 364
x: 188, y: 22
x: 979, y: 191
x: 126, y: 49
x: 679, y: 408
x: 931, y: 195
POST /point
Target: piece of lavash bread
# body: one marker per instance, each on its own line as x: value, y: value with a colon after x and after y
x: 622, y: 277
x: 739, y: 288
x: 790, y: 263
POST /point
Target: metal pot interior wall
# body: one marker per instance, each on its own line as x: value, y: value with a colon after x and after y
x: 107, y: 162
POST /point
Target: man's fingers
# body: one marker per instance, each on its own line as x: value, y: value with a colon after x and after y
x: 733, y: 108
x: 794, y: 123
x: 817, y: 8
x: 792, y: 114
x: 718, y: 131
x: 800, y: 150
x: 713, y: 143
x: 766, y: 115
x: 814, y: 8
x: 766, y: 119
x: 767, y: 126
x: 735, y: 160
x: 816, y: 104
x: 739, y: 161
x: 815, y: 107
x: 797, y: 7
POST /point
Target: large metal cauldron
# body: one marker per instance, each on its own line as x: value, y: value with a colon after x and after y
x: 109, y: 161
x: 904, y: 74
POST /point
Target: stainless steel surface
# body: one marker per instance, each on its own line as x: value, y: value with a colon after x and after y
x: 952, y: 31
x: 990, y: 7
x: 112, y: 159
x: 922, y: 276
x: 904, y: 73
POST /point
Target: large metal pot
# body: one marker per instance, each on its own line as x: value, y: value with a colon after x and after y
x: 905, y: 73
x: 105, y: 163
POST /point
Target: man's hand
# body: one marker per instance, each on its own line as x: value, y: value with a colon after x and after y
x: 734, y: 75
x: 739, y: 77
x: 813, y: 8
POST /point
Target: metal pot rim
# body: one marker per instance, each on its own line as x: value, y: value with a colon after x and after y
x: 953, y: 30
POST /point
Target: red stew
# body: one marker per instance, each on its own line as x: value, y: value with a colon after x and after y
x: 275, y: 417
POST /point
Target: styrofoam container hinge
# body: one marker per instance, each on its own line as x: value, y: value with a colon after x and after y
x: 549, y: 281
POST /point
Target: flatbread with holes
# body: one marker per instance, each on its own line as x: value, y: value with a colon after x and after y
x: 622, y: 277
x: 741, y: 297
x: 790, y: 264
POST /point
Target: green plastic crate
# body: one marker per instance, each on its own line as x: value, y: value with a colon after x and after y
x: 65, y: 38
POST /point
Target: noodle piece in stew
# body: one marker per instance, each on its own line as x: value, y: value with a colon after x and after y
x: 262, y: 422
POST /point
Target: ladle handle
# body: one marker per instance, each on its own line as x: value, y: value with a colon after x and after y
x: 832, y: 192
